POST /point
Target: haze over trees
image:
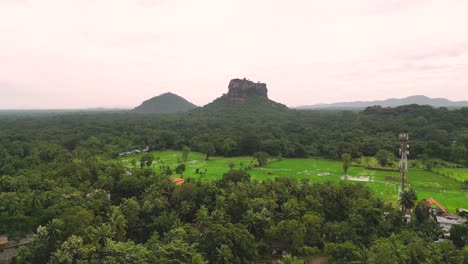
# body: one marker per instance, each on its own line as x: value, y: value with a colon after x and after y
x: 60, y: 182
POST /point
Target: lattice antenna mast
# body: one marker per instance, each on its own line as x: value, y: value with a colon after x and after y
x: 404, y: 152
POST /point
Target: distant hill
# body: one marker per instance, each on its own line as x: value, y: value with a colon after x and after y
x: 417, y: 99
x: 245, y: 96
x: 165, y: 103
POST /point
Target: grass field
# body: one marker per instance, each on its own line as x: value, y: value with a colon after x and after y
x: 459, y: 174
x: 445, y: 190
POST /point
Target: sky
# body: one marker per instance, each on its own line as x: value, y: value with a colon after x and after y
x: 67, y: 54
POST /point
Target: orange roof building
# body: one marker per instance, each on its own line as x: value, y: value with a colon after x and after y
x: 178, y: 181
x: 432, y: 201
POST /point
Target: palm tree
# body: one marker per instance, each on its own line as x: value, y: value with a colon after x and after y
x: 202, y: 218
x: 289, y: 259
x: 36, y: 201
x: 408, y: 199
x: 250, y: 221
x: 55, y: 229
x: 185, y: 208
x: 397, y: 250
x: 362, y: 255
x: 118, y: 223
x: 101, y: 234
x: 223, y: 255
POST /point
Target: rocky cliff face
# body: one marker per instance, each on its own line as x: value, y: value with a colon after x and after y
x: 240, y: 89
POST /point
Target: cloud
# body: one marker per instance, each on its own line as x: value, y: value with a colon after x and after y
x: 392, y: 6
x: 122, y: 38
x: 434, y: 53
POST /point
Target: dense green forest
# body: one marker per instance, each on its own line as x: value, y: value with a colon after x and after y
x: 56, y: 172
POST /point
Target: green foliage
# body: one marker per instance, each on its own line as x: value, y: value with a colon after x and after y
x: 459, y: 235
x: 56, y: 172
x: 408, y: 199
x: 422, y: 211
x: 384, y: 157
x: 346, y: 162
x: 289, y: 259
x: 180, y: 169
x: 185, y: 153
x: 290, y: 232
x: 146, y: 160
x: 342, y: 252
x: 261, y: 157
x: 208, y: 149
x: 165, y: 103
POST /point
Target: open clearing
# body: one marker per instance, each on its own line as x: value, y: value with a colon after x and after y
x: 446, y: 190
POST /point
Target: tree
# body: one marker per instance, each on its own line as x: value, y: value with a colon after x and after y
x: 208, y: 149
x: 118, y: 223
x: 69, y: 251
x: 459, y: 235
x: 178, y: 251
x: 289, y: 259
x: 76, y: 220
x: 422, y: 211
x: 146, y: 160
x: 290, y: 232
x: 55, y: 229
x: 180, y: 169
x: 185, y: 153
x: 229, y: 147
x: 346, y: 163
x: 342, y: 252
x: 235, y: 176
x: 168, y: 171
x: 101, y: 234
x: 227, y: 243
x: 384, y: 157
x: 388, y: 251
x: 126, y: 252
x: 262, y: 158
x: 408, y: 199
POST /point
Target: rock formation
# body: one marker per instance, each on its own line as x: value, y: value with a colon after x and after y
x: 165, y: 103
x: 240, y: 89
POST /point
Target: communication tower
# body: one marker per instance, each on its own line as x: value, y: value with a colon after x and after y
x: 404, y: 152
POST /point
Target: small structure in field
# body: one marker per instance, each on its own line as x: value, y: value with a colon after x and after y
x: 178, y: 181
x: 278, y: 250
x: 130, y: 153
x: 361, y: 179
x: 90, y: 195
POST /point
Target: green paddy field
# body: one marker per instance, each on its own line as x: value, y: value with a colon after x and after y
x: 445, y: 188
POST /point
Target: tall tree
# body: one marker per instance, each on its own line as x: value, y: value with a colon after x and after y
x: 408, y: 199
x: 208, y: 149
x: 261, y: 157
x: 346, y: 163
x: 185, y: 153
x: 180, y: 169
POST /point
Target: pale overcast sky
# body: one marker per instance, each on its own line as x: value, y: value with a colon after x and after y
x: 117, y: 53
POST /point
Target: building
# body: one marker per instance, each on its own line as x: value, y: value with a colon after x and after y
x: 178, y: 181
x: 130, y: 153
x: 8, y: 249
x: 446, y: 222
